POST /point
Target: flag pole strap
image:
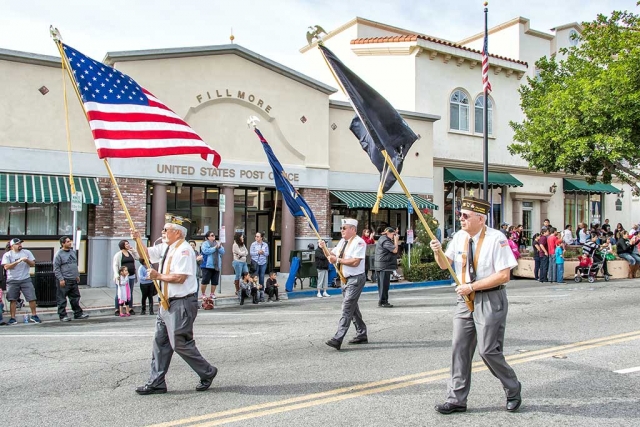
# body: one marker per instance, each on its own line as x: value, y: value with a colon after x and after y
x: 468, y: 300
x: 325, y: 250
x: 141, y: 248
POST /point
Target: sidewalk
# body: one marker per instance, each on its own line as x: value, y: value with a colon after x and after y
x: 100, y: 301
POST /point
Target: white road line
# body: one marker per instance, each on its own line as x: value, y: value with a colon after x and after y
x: 628, y: 370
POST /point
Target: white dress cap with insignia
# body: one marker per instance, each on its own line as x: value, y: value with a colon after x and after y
x: 350, y: 221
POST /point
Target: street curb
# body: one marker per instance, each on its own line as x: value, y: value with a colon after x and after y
x: 369, y: 288
x: 231, y: 301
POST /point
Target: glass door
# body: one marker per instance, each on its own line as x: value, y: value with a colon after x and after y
x: 527, y: 221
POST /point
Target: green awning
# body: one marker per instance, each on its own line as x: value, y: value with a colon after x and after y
x: 357, y: 199
x: 16, y: 188
x: 579, y: 186
x: 496, y: 179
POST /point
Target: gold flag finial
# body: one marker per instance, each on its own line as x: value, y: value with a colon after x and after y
x: 231, y: 37
x: 55, y: 33
x: 314, y: 34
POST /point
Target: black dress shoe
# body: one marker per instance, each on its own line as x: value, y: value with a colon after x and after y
x: 449, y: 408
x: 147, y: 389
x: 385, y: 305
x: 514, y: 403
x: 334, y: 343
x: 359, y: 340
x: 206, y: 383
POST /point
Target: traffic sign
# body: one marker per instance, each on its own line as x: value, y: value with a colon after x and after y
x: 409, y: 207
x: 409, y: 236
x: 76, y: 202
x: 223, y: 200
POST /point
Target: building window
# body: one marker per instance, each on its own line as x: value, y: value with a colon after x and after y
x: 459, y: 111
x: 40, y: 219
x: 479, y: 114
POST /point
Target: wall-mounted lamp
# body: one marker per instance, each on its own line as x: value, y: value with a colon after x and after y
x: 553, y: 188
x: 179, y: 187
x: 621, y: 194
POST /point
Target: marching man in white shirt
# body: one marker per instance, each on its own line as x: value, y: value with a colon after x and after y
x: 174, y: 327
x: 482, y: 260
x: 349, y: 255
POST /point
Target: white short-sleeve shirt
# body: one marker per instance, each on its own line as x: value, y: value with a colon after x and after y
x: 183, y: 261
x: 22, y: 270
x: 495, y: 253
x: 356, y: 249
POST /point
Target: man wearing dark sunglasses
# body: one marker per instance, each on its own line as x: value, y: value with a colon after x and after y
x: 482, y: 260
x: 349, y: 255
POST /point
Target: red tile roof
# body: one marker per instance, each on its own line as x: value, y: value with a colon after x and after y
x: 415, y: 37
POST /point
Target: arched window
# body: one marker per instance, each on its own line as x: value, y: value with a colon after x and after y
x: 459, y: 111
x: 479, y: 114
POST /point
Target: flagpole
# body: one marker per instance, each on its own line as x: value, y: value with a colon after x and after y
x: 141, y: 248
x: 468, y: 300
x: 485, y: 127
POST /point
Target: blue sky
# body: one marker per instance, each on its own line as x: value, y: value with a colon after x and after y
x: 272, y: 28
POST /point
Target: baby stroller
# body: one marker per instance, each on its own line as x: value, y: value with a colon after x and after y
x: 592, y: 271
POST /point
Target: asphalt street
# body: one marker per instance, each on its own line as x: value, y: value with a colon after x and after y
x: 574, y: 347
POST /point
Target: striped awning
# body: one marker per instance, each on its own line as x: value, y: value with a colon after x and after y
x: 356, y: 199
x: 579, y: 186
x: 17, y: 188
x: 496, y: 179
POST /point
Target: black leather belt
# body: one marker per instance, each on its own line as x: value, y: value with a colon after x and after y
x: 355, y: 275
x: 186, y: 296
x: 497, y: 288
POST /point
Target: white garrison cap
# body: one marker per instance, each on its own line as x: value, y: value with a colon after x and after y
x: 350, y: 221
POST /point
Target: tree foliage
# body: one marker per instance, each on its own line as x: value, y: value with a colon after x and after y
x: 582, y: 114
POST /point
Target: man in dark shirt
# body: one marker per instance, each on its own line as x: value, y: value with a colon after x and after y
x: 544, y: 255
x: 65, y: 268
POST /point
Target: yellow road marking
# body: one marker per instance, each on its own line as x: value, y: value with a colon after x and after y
x: 344, y: 393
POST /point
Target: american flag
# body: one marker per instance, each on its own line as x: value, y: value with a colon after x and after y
x: 486, y: 84
x: 128, y: 121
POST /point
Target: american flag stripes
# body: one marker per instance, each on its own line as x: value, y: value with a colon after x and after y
x: 128, y: 121
x: 486, y: 85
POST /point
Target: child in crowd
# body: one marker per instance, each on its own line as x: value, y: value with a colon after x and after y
x: 247, y: 289
x: 560, y: 262
x: 147, y: 288
x: 272, y: 287
x: 260, y: 291
x: 124, y: 293
x: 585, y: 262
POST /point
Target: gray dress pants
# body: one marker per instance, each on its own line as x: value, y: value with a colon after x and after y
x: 350, y: 311
x: 485, y: 328
x: 174, y: 332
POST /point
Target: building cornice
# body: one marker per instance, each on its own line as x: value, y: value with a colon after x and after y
x: 229, y: 49
x: 359, y: 20
x: 514, y: 21
x: 413, y: 115
x: 30, y: 58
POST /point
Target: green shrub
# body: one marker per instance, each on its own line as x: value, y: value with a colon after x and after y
x: 425, y: 272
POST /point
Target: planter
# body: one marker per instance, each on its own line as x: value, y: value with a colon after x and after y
x: 618, y: 269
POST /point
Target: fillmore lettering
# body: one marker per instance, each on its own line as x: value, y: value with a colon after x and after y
x: 228, y: 93
x: 242, y: 174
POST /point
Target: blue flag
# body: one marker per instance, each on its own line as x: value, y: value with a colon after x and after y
x: 294, y: 200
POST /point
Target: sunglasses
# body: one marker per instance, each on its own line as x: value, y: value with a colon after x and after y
x: 343, y: 227
x: 465, y: 216
x: 166, y: 229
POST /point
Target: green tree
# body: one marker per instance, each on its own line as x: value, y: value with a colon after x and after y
x: 582, y: 114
